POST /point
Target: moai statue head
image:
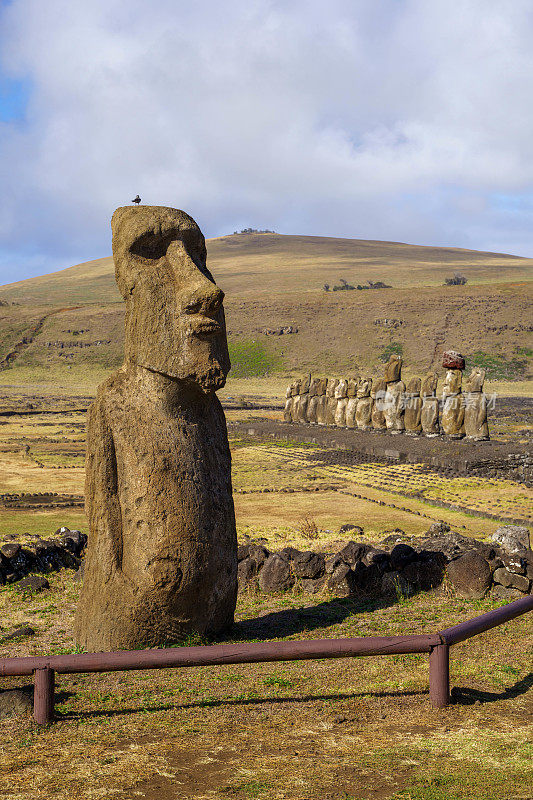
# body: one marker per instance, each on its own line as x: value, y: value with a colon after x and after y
x: 429, y: 385
x: 332, y: 385
x: 321, y: 387
x: 175, y: 322
x: 452, y: 382
x: 475, y: 380
x: 341, y: 388
x: 414, y: 386
x: 305, y: 382
x: 313, y: 387
x: 351, y: 391
x: 295, y: 388
x: 364, y: 388
x: 393, y: 369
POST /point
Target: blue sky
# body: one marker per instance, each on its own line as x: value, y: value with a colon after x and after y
x: 402, y: 120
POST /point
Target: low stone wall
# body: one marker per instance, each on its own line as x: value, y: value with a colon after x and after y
x: 397, y: 566
x: 40, y: 555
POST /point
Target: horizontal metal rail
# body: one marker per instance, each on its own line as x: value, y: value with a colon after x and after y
x: 437, y: 645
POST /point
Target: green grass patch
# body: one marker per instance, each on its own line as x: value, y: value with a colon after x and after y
x: 251, y: 359
x: 498, y: 367
x: 394, y: 348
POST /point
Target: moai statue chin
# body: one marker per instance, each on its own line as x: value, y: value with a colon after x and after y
x: 429, y: 417
x: 394, y: 411
x: 453, y: 410
x: 475, y: 421
x: 351, y: 404
x: 413, y: 407
x: 162, y: 553
x: 301, y: 413
x: 363, y: 414
x: 331, y: 403
x: 342, y: 400
x: 379, y: 390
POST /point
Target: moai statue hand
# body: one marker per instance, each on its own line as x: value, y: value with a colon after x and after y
x: 475, y: 421
x: 351, y: 405
x: 413, y: 407
x: 363, y: 414
x: 342, y: 400
x: 379, y: 390
x: 429, y: 417
x: 162, y: 553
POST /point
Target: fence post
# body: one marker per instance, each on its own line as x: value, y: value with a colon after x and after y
x: 43, y: 695
x: 439, y: 676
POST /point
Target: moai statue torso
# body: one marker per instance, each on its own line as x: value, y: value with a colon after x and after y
x: 379, y: 389
x: 394, y: 395
x: 321, y: 402
x: 295, y: 400
x: 413, y: 407
x: 429, y: 417
x: 363, y: 414
x: 331, y: 403
x: 340, y: 411
x: 162, y: 552
x: 303, y: 399
x: 453, y: 411
x: 476, y: 425
x: 313, y: 400
x: 351, y: 405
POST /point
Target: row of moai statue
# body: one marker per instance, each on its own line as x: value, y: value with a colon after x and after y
x: 387, y: 404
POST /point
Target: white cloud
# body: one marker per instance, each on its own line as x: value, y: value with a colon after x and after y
x: 395, y: 119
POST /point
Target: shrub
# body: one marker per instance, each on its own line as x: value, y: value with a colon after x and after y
x: 496, y: 366
x: 457, y: 280
x: 251, y: 359
x: 394, y: 348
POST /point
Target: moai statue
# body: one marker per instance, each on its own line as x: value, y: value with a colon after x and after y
x: 288, y: 404
x: 351, y: 405
x: 342, y: 400
x: 476, y: 425
x: 304, y: 398
x: 331, y: 405
x: 429, y: 417
x: 379, y: 389
x: 453, y: 410
x: 321, y: 402
x: 162, y: 553
x: 393, y: 402
x: 295, y: 400
x: 413, y: 407
x: 313, y: 399
x: 363, y: 414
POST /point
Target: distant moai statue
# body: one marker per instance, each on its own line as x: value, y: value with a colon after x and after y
x: 351, y: 404
x: 342, y: 400
x: 313, y: 399
x: 429, y: 417
x: 413, y: 407
x: 162, y: 553
x: 379, y: 390
x: 363, y: 414
x: 476, y: 425
x: 303, y: 399
x: 331, y: 405
x: 295, y: 399
x: 453, y: 410
x: 321, y: 402
x: 287, y: 411
x: 394, y: 411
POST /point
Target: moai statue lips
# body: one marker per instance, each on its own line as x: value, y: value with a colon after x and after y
x: 451, y: 359
x: 162, y: 552
x: 379, y: 389
x: 393, y: 369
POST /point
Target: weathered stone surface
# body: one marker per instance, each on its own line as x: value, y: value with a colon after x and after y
x: 322, y: 403
x: 308, y: 565
x: 15, y: 702
x: 162, y: 553
x: 453, y: 410
x: 340, y: 410
x: 393, y: 369
x: 341, y: 581
x: 470, y: 575
x: 394, y: 584
x: 315, y: 391
x: 413, y: 407
x: 379, y: 390
x: 34, y: 583
x: 499, y: 592
x: 476, y: 426
x: 351, y: 411
x: 295, y: 394
x: 512, y: 538
x: 331, y: 404
x: 429, y: 385
x: 363, y: 414
x: 451, y: 359
x: 351, y: 390
x: 394, y: 411
x: 301, y: 410
x: 287, y: 411
x: 276, y: 575
x: 475, y: 381
x: 511, y: 580
x: 429, y: 416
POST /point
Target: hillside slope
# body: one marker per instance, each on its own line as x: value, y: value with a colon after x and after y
x: 75, y: 317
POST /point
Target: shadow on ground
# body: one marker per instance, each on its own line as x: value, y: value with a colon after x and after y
x: 467, y: 697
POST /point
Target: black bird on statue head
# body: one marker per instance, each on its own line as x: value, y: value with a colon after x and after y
x: 137, y: 200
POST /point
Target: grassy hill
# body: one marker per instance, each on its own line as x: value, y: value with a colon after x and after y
x: 74, y: 317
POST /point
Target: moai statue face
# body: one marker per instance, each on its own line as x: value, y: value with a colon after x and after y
x: 321, y: 387
x: 332, y: 385
x: 175, y: 322
x: 313, y: 387
x: 429, y: 385
x: 379, y: 387
x: 305, y: 384
x: 351, y: 391
x: 393, y: 369
x: 295, y: 389
x: 452, y: 382
x: 476, y: 380
x: 341, y: 388
x: 364, y: 388
x: 414, y: 385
